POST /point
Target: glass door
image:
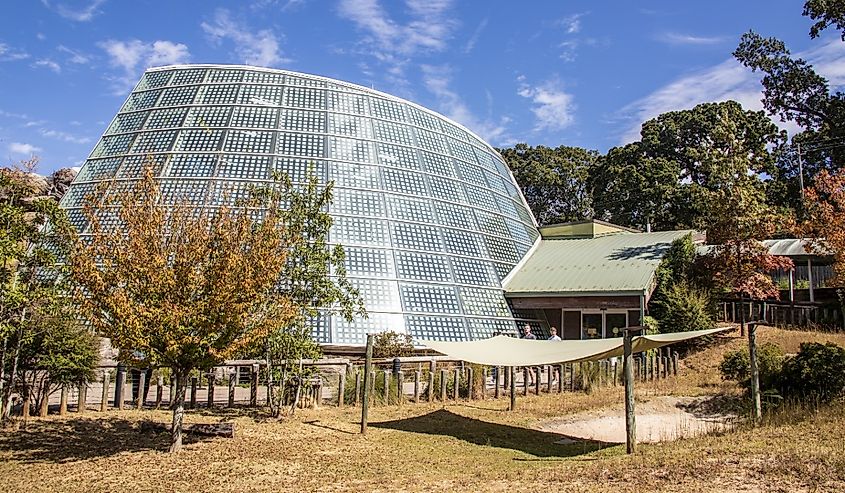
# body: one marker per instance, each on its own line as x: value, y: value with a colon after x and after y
x: 591, y: 326
x: 614, y: 323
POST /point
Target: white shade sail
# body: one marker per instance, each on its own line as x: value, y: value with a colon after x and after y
x: 508, y: 351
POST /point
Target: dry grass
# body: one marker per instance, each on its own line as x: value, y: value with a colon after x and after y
x: 470, y: 447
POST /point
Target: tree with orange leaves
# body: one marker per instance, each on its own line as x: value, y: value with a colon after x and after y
x: 178, y: 287
x: 825, y: 226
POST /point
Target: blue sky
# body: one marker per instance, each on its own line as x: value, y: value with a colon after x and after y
x: 579, y: 73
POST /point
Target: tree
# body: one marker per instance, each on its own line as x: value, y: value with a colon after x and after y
x: 825, y: 222
x: 553, y: 180
x: 675, y: 269
x: 176, y: 286
x: 31, y: 286
x: 826, y: 13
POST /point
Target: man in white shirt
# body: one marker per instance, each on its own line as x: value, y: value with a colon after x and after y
x: 554, y: 336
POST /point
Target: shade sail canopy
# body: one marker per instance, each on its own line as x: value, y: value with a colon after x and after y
x: 508, y: 351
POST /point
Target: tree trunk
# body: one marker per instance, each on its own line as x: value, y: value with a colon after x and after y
x: 25, y: 403
x: 298, y: 389
x: 178, y: 411
x: 7, y: 407
x: 44, y: 404
x: 3, y: 388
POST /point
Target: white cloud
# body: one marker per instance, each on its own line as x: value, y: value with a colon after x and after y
x: 74, y: 56
x: 437, y: 80
x: 9, y: 54
x: 75, y: 12
x: 689, y: 39
x: 134, y: 55
x: 552, y: 106
x: 64, y: 136
x: 572, y: 23
x: 47, y: 63
x: 252, y: 47
x: 475, y: 35
x: 728, y: 80
x: 23, y: 149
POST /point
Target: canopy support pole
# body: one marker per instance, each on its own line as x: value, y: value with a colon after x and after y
x: 512, y: 405
x: 628, y: 369
x: 368, y: 367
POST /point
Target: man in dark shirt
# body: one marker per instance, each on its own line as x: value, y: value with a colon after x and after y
x: 527, y: 334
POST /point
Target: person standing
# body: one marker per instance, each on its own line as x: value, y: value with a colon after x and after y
x: 527, y: 334
x: 553, y: 336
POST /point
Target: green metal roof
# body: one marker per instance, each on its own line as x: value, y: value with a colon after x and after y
x: 610, y: 264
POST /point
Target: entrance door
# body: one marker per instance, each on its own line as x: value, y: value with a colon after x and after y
x: 602, y: 324
x: 591, y: 326
x: 614, y: 323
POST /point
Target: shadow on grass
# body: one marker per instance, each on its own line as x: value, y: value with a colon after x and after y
x: 532, y: 442
x: 84, y: 438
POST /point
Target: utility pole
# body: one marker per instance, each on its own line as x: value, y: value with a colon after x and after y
x: 801, y: 174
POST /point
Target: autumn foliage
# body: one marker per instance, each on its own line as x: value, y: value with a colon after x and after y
x: 825, y: 225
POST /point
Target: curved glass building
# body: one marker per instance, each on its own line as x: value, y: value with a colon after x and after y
x: 430, y: 217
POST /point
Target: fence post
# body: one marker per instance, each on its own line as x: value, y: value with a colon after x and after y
x: 497, y: 374
x: 341, y: 388
x: 429, y: 397
x: 525, y: 381
x: 400, y: 380
x: 210, y: 395
x: 417, y: 375
x: 83, y: 395
x: 538, y: 376
x: 253, y: 386
x: 139, y: 399
x: 193, y: 392
x: 512, y: 380
x: 386, y: 382
x: 63, y: 401
x: 675, y: 363
x: 368, y: 365
x: 571, y: 377
x: 119, y: 386
x: 559, y: 379
x: 443, y: 386
x: 233, y: 380
x: 358, y: 376
x: 159, y: 390
x: 470, y: 393
x: 104, y: 401
x: 549, y: 377
x: 484, y: 383
x: 457, y: 383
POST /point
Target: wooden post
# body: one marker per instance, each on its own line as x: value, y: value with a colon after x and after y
x: 63, y: 401
x: 549, y: 378
x: 538, y: 375
x: 429, y: 396
x: 104, y: 401
x: 368, y: 366
x: 483, y: 383
x: 457, y: 384
x: 139, y: 399
x: 572, y: 377
x: 497, y: 373
x: 470, y: 393
x: 159, y: 390
x: 755, y: 372
x: 386, y: 384
x: 210, y: 395
x: 83, y: 397
x: 525, y: 381
x: 253, y: 386
x: 510, y: 377
x: 119, y: 387
x: 665, y: 366
x: 560, y: 372
x: 341, y: 388
x: 417, y: 376
x: 400, y: 380
x: 599, y: 372
x: 443, y: 386
x: 507, y: 377
x: 675, y: 363
x: 193, y: 392
x: 630, y: 418
x: 233, y: 380
x: 358, y: 378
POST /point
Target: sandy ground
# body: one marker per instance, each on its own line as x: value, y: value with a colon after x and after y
x: 659, y: 419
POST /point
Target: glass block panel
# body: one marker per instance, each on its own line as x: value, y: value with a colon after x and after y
x: 396, y: 180
x: 464, y: 243
x: 208, y: 116
x: 98, y: 169
x: 391, y: 132
x: 512, y: 191
x: 264, y: 77
x: 178, y: 96
x: 432, y: 141
x: 222, y: 94
x: 485, y: 159
x: 455, y: 216
x: 434, y: 328
x: 225, y: 75
x: 486, y: 328
x: 462, y: 151
x: 293, y: 80
x: 127, y: 122
x: 166, y: 118
x: 501, y: 167
x: 387, y: 110
x: 245, y: 167
x: 470, y: 173
x: 305, y: 97
x: 480, y: 197
x: 350, y: 150
x: 229, y: 192
x: 474, y: 272
x: 506, y: 206
x: 252, y: 141
x: 345, y: 102
x: 303, y: 121
x: 429, y: 298
x: 320, y: 328
x: 350, y: 126
x: 495, y: 182
x: 446, y: 189
x: 255, y: 117
x: 398, y: 156
x: 298, y: 169
x: 112, y: 145
x: 355, y: 202
x: 356, y: 331
x: 133, y: 166
x: 409, y: 209
x: 154, y: 79
x: 378, y: 294
x: 437, y: 164
x: 517, y: 231
x: 484, y: 302
x: 192, y: 165
x: 141, y: 100
x: 261, y: 95
x: 190, y: 76
x: 191, y: 191
x: 153, y: 142
x: 348, y: 230
x: 524, y: 214
x: 501, y: 249
x: 415, y: 237
x: 422, y: 267
x: 369, y: 262
x: 199, y: 140
x: 423, y: 119
x: 305, y: 145
x: 492, y: 224
x: 455, y: 132
x: 354, y: 175
x: 502, y: 270
x: 77, y: 219
x: 76, y: 194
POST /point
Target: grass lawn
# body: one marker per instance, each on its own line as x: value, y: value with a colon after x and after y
x: 473, y: 446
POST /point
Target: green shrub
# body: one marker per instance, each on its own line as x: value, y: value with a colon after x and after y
x: 391, y: 344
x: 817, y: 372
x: 686, y: 308
x: 736, y: 365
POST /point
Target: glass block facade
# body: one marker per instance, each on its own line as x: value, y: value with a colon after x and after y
x: 429, y: 215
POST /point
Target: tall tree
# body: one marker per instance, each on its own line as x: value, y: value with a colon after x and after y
x: 826, y: 13
x: 179, y: 287
x: 553, y: 180
x: 825, y: 224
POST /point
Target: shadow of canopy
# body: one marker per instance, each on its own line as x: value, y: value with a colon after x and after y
x: 475, y: 431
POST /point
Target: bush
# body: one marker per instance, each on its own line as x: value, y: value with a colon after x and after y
x: 736, y: 365
x: 392, y: 345
x: 817, y: 372
x: 686, y: 308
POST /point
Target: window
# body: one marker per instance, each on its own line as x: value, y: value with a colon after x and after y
x: 403, y: 181
x: 463, y: 243
x: 154, y: 79
x: 354, y: 175
x: 260, y: 77
x: 112, y: 145
x: 446, y: 189
x: 98, y: 169
x: 391, y: 132
x: 255, y: 117
x: 409, y: 209
x: 387, y: 110
x: 192, y: 191
x: 350, y: 150
x: 455, y: 216
x: 354, y: 332
x: 485, y: 159
x: 304, y: 97
x: 166, y: 118
x: 470, y: 173
x: 426, y: 298
x: 492, y: 224
x: 475, y: 272
x: 141, y: 100
x: 462, y: 151
x: 423, y: 119
x: 242, y: 166
x: 484, y: 328
x: 148, y: 142
x: 358, y: 203
x: 208, y: 116
x: 348, y: 103
x: 397, y: 156
x: 199, y: 140
x: 253, y: 141
x: 225, y: 75
x: 481, y: 198
x: 192, y: 165
x: 415, y: 236
x: 454, y: 131
x: 359, y: 231
x: 495, y: 182
x: 501, y: 249
x: 378, y: 294
x: 303, y: 121
x: 422, y: 267
x: 178, y: 96
x: 437, y: 328
x: 350, y: 126
x: 224, y: 94
x: 191, y: 76
x: 432, y: 141
x: 298, y: 169
x: 602, y: 324
x: 301, y: 145
x: 437, y: 164
x: 369, y: 262
x: 261, y: 95
x: 484, y: 302
x: 127, y: 122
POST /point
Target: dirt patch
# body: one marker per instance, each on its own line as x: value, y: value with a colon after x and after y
x: 658, y: 420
